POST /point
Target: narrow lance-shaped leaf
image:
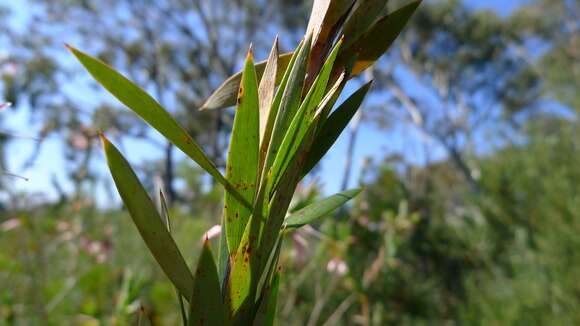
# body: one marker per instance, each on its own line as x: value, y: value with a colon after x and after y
x: 261, y: 206
x: 301, y: 152
x: 226, y: 94
x: 206, y: 307
x: 282, y: 196
x: 243, y: 155
x: 150, y: 225
x: 164, y: 211
x: 378, y: 39
x: 303, y: 118
x: 149, y: 110
x: 362, y: 16
x: 324, y: 16
x: 268, y: 108
x: 272, y: 115
x: 269, y: 267
x: 319, y: 209
x: 267, y: 88
x: 325, y: 22
x: 369, y: 47
x: 333, y: 127
x: 290, y: 102
x: 223, y: 254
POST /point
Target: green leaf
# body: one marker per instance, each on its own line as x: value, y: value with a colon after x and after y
x: 223, y: 254
x: 290, y: 102
x: 269, y: 267
x: 363, y: 15
x: 149, y: 224
x: 333, y: 127
x: 243, y: 156
x: 241, y: 282
x: 206, y: 307
x: 164, y: 211
x: 377, y: 40
x: 282, y: 196
x: 303, y: 119
x: 225, y: 95
x: 319, y: 209
x: 165, y: 216
x: 267, y: 311
x: 149, y: 110
x: 267, y: 88
x: 272, y: 115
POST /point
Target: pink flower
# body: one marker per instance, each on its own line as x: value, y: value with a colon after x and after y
x: 213, y: 232
x: 10, y: 224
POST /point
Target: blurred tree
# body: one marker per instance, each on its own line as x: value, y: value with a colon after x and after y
x: 179, y: 50
x: 553, y: 28
x: 455, y: 78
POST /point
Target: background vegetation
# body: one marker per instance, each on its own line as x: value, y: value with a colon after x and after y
x: 470, y: 212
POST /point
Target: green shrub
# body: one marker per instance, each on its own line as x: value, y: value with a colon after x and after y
x: 283, y: 126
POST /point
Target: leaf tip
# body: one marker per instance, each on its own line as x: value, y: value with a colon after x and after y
x: 250, y: 55
x: 104, y: 140
x: 72, y: 49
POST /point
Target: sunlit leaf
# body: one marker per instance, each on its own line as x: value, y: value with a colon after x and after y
x: 317, y: 210
x: 303, y: 119
x: 149, y: 224
x: 325, y: 22
x: 283, y: 194
x: 267, y: 88
x: 324, y: 16
x: 272, y: 115
x: 243, y: 155
x: 149, y: 110
x: 290, y: 102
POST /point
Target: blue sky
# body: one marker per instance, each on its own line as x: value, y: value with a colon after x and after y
x: 50, y: 163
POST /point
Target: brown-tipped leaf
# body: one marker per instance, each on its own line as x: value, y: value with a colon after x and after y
x: 324, y: 17
x: 378, y: 39
x: 362, y: 16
